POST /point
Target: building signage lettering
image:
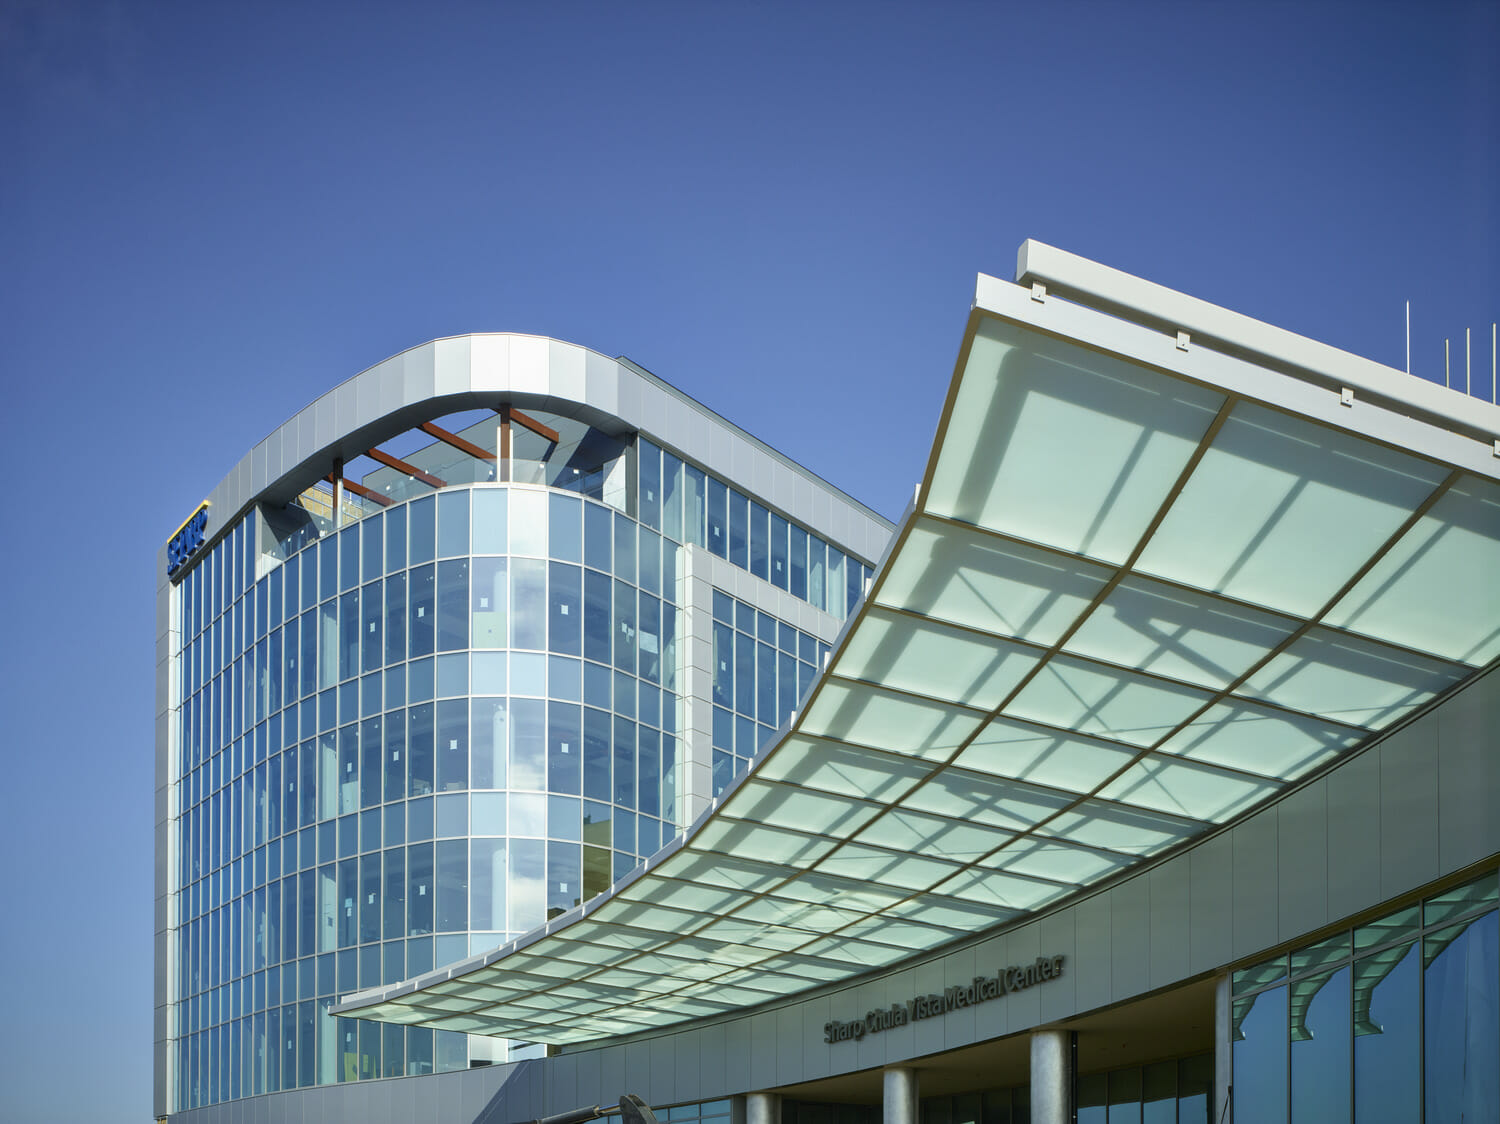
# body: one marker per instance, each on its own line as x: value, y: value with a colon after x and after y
x: 187, y: 540
x: 980, y: 988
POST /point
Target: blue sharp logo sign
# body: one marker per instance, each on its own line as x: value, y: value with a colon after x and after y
x: 187, y: 540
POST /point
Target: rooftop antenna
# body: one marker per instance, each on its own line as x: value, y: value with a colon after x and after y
x: 1447, y: 376
x: 1408, y: 337
x: 1468, y: 363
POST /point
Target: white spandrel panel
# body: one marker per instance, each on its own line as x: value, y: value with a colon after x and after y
x: 1435, y: 590
x: 1063, y: 446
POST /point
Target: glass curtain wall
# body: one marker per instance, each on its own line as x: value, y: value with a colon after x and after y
x: 412, y: 739
x: 1396, y: 1020
x: 689, y: 505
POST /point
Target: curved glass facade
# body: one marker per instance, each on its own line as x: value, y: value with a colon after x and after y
x: 413, y: 738
x: 427, y: 712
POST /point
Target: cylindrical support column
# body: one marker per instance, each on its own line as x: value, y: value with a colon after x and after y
x: 762, y: 1108
x: 1223, y: 1049
x: 1051, y: 1077
x: 900, y: 1104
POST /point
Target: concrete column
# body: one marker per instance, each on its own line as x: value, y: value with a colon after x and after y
x: 1051, y: 1077
x: 900, y: 1096
x: 762, y: 1108
x: 1223, y: 1050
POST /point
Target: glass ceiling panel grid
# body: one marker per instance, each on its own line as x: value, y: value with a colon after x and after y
x: 1062, y: 445
x: 935, y: 660
x: 958, y: 575
x: 1435, y: 589
x: 1282, y: 512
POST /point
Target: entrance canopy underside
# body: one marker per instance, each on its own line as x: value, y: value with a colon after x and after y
x: 1128, y: 606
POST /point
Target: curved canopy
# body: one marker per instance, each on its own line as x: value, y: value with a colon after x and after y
x: 1127, y: 606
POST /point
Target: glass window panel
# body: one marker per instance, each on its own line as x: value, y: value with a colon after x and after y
x: 528, y: 603
x: 1061, y: 445
x: 453, y: 523
x: 395, y: 539
x: 1461, y: 899
x: 1320, y: 1035
x: 1325, y: 952
x: 780, y: 552
x: 565, y: 531
x: 528, y: 522
x: 671, y: 516
x: 1387, y: 1037
x: 1282, y: 511
x: 797, y: 557
x: 490, y: 530
x: 423, y: 529
x: 1421, y: 594
x: 1259, y: 1035
x: 625, y: 544
x: 372, y: 615
x: 1350, y: 679
x: 648, y: 460
x: 1461, y: 995
x: 528, y: 752
x: 624, y: 627
x: 693, y: 504
x: 564, y: 748
x: 453, y: 604
x: 527, y: 890
x: 718, y: 518
x: 422, y: 615
x: 759, y: 533
x: 1109, y: 704
x: 929, y: 659
x: 565, y: 610
x: 650, y: 561
x: 598, y: 535
x: 487, y: 883
x: 395, y: 618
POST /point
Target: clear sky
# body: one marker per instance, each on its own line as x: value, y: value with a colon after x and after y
x: 212, y: 213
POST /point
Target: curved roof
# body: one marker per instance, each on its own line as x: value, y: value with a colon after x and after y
x: 1143, y: 588
x: 483, y: 370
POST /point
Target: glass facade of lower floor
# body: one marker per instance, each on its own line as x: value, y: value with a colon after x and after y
x: 1396, y: 1021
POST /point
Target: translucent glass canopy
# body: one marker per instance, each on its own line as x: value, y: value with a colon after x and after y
x: 1125, y: 609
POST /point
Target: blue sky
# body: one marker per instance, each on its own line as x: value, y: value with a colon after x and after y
x: 210, y: 214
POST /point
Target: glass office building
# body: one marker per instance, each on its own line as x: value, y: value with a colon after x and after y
x: 528, y: 735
